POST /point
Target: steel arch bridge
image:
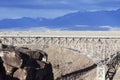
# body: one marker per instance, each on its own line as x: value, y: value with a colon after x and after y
x: 103, y: 50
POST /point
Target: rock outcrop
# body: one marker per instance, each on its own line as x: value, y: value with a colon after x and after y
x: 21, y: 63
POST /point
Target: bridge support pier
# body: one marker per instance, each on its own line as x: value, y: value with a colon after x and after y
x: 1, y: 53
x: 100, y: 71
x: 0, y: 45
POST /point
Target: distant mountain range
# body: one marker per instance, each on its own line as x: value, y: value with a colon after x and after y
x: 73, y: 21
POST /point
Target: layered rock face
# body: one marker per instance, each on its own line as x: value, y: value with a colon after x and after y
x: 21, y: 63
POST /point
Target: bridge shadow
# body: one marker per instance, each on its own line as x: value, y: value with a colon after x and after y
x: 76, y: 74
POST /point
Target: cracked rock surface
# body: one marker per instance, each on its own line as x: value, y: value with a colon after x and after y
x: 22, y: 63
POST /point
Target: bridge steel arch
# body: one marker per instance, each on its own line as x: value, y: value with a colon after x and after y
x: 99, y: 49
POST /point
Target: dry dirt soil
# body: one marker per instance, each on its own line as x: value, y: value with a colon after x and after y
x: 64, y: 61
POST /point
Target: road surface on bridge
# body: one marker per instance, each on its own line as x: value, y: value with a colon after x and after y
x: 106, y: 34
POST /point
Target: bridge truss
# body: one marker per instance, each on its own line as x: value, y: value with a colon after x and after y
x: 104, y: 51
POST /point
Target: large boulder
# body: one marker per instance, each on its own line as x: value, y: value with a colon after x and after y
x: 9, y: 69
x: 35, y: 54
x: 45, y: 71
x: 21, y: 63
x: 2, y: 70
x: 12, y: 59
x: 20, y: 74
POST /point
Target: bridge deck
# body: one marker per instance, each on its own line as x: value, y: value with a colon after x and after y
x: 95, y: 34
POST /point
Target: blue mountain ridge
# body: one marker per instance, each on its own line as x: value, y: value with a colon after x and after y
x: 69, y: 21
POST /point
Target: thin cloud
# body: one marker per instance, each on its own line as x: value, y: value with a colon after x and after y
x: 43, y: 29
x: 110, y: 28
x: 81, y: 26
